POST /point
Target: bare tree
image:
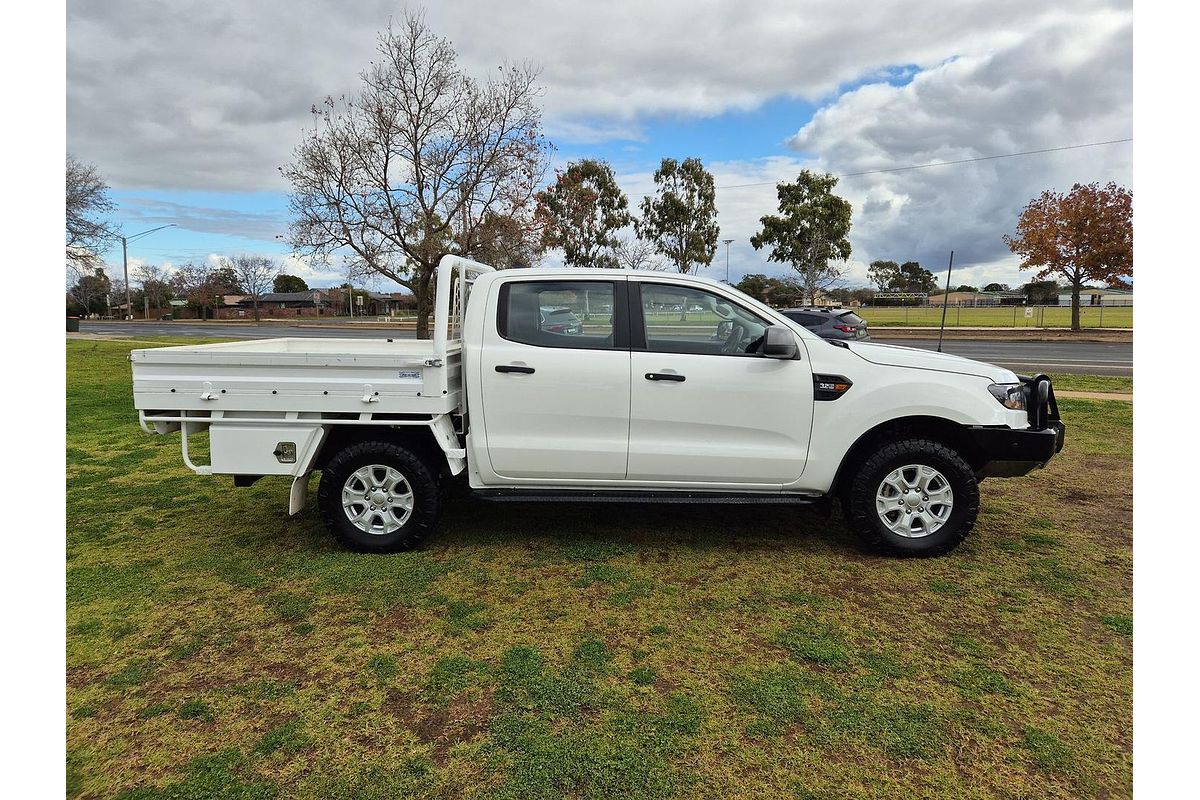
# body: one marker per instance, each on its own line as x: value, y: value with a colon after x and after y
x: 89, y: 232
x: 255, y: 274
x: 409, y: 167
x: 153, y: 281
x: 636, y: 253
x: 87, y: 285
x: 198, y: 284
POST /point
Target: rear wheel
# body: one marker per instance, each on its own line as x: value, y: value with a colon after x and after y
x: 379, y: 497
x: 915, y: 497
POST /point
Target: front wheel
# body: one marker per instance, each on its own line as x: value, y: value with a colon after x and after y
x: 378, y: 497
x: 915, y: 497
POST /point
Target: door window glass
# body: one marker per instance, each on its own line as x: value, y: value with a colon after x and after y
x: 807, y: 320
x: 572, y: 314
x: 685, y: 319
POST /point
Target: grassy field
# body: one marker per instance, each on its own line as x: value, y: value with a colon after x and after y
x: 1049, y: 317
x: 217, y: 648
x: 1092, y: 383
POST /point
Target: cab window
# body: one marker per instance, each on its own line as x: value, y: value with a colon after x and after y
x: 686, y: 319
x: 570, y: 314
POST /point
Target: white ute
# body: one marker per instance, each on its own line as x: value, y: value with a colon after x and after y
x: 671, y: 388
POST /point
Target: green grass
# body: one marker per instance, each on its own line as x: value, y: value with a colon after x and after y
x: 217, y: 647
x: 1092, y: 383
x: 1002, y: 317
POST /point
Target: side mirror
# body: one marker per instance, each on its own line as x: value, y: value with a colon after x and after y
x: 778, y: 342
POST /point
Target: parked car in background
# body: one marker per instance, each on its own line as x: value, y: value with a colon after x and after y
x: 561, y: 320
x: 830, y: 323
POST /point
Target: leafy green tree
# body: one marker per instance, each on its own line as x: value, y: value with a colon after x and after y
x: 779, y: 292
x: 1041, y: 292
x: 756, y: 285
x: 965, y: 287
x: 681, y: 219
x: 863, y: 295
x: 581, y: 212
x: 810, y: 230
x: 503, y: 241
x: 907, y: 277
x: 288, y: 283
x: 883, y: 274
x: 996, y: 287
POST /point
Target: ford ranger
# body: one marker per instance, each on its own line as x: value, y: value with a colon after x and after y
x: 664, y: 388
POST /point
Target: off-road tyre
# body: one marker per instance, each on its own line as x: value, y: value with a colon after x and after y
x: 424, y: 481
x: 859, y: 501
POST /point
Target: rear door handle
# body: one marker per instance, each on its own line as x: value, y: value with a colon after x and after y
x: 665, y: 376
x: 514, y: 368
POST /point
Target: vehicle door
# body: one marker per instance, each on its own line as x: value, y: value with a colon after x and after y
x: 705, y: 407
x: 555, y: 396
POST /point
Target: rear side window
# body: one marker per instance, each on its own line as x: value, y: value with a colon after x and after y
x: 850, y: 318
x: 570, y: 314
x: 807, y: 320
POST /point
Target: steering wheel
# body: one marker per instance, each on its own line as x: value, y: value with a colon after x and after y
x: 737, y: 335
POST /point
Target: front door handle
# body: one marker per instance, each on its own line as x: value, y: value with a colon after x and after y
x: 514, y: 368
x: 665, y: 376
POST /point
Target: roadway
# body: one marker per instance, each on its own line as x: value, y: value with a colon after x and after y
x: 1080, y: 358
x: 1083, y: 358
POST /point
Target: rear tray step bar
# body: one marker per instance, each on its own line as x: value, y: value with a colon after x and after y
x: 573, y: 496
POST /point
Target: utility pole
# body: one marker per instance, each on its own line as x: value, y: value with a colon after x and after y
x: 125, y: 265
x: 125, y: 240
x: 727, y: 241
x: 945, y: 301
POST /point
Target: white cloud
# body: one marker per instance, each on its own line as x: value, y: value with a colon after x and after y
x: 214, y: 94
x: 1068, y: 83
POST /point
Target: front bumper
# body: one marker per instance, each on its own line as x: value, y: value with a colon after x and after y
x: 1007, y: 453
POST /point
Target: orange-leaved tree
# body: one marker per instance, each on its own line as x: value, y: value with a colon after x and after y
x: 1084, y: 235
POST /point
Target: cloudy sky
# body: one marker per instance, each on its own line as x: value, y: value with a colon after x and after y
x: 189, y: 108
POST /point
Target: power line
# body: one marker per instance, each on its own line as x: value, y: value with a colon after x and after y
x: 948, y: 163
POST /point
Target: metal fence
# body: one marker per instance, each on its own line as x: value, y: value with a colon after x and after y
x: 968, y: 316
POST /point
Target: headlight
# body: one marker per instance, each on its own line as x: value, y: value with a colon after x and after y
x: 1010, y: 395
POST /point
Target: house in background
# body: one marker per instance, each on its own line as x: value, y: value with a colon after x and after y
x: 311, y: 303
x: 1089, y: 296
x: 978, y: 299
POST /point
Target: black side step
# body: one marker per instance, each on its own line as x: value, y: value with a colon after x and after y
x: 575, y: 496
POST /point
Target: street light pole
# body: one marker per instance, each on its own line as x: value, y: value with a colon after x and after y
x: 125, y: 240
x: 727, y: 241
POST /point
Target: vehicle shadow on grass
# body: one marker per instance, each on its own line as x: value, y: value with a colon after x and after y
x: 471, y: 520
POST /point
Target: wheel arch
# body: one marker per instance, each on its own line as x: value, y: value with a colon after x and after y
x: 939, y: 429
x: 417, y: 438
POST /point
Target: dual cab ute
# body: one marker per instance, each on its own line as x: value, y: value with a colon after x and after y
x: 671, y: 388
